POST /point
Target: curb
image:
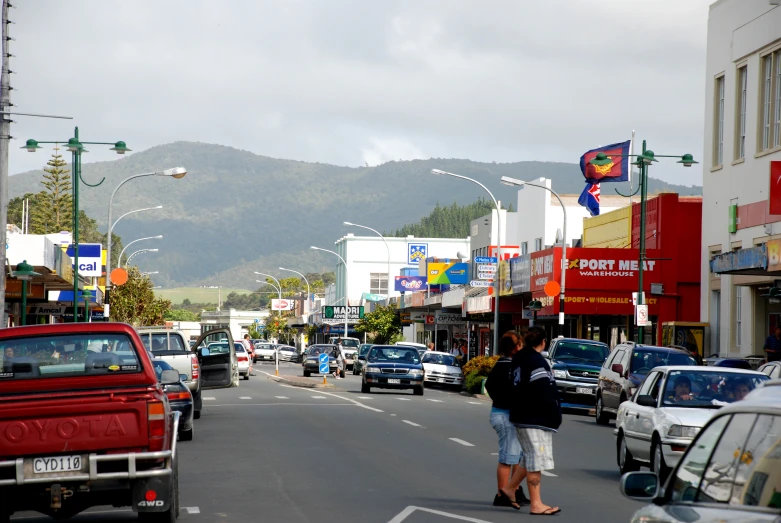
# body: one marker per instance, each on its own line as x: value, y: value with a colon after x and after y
x: 303, y: 385
x: 481, y: 397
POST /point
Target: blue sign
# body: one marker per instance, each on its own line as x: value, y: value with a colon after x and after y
x: 416, y: 252
x: 486, y: 259
x: 751, y: 258
x: 410, y: 283
x: 323, y: 359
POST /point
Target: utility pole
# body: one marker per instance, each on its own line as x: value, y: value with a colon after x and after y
x: 5, y: 142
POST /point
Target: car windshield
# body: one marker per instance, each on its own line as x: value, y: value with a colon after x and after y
x: 163, y: 341
x: 440, y: 359
x: 645, y: 360
x: 353, y: 344
x: 365, y: 349
x: 583, y: 352
x: 317, y: 349
x: 219, y: 348
x: 66, y: 356
x: 699, y: 389
x: 160, y: 366
x: 395, y: 354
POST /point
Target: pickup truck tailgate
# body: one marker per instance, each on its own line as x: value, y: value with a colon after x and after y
x: 60, y: 422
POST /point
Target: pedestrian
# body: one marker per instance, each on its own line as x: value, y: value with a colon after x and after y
x: 773, y: 346
x: 536, y: 413
x: 430, y: 345
x: 250, y: 352
x: 499, y: 387
x: 339, y: 363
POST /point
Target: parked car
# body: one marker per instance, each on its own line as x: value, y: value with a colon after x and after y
x: 624, y: 369
x: 393, y: 367
x: 576, y: 364
x: 671, y: 406
x: 730, y: 472
x: 173, y: 347
x: 242, y: 356
x: 360, y: 358
x: 442, y: 368
x: 311, y: 362
x: 264, y: 351
x: 180, y: 399
x: 288, y: 353
x: 772, y: 369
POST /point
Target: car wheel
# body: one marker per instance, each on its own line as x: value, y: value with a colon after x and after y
x: 365, y: 388
x: 197, y: 414
x: 187, y: 435
x: 418, y: 391
x: 306, y: 373
x: 602, y: 417
x: 626, y: 463
x: 657, y: 464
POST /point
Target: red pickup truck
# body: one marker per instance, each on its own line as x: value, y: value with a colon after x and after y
x: 84, y: 421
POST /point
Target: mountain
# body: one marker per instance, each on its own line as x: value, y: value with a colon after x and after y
x: 237, y: 212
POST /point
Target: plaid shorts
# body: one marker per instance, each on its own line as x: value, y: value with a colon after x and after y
x: 537, y: 445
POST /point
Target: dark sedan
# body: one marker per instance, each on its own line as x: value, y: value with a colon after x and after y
x: 181, y: 400
x: 311, y: 362
x: 393, y: 367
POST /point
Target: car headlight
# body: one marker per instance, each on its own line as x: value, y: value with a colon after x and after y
x: 557, y: 373
x: 683, y: 431
x: 373, y: 370
x: 416, y: 372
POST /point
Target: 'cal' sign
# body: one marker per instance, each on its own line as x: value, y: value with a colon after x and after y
x: 416, y: 252
x: 90, y: 260
x: 410, y: 283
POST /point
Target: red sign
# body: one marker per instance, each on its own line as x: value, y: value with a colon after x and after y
x: 774, y: 201
x: 612, y: 269
x: 508, y: 251
x: 545, y: 266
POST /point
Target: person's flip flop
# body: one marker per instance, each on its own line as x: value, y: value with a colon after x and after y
x: 503, y: 500
x: 549, y: 512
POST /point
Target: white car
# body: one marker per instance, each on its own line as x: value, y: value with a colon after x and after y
x: 442, y: 368
x: 243, y: 357
x: 264, y: 351
x: 670, y: 407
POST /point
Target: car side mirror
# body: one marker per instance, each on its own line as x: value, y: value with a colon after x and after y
x: 646, y: 400
x: 640, y: 486
x: 183, y: 377
x: 545, y: 354
x: 617, y: 368
x: 203, y: 352
x: 169, y: 377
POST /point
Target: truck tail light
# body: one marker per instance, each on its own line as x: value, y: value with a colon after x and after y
x: 177, y: 395
x: 156, y: 421
x: 195, y: 367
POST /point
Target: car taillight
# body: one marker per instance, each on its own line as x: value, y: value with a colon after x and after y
x: 243, y: 358
x: 195, y: 367
x: 156, y: 422
x: 177, y: 395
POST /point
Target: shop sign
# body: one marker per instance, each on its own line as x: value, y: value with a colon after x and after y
x: 415, y: 299
x: 455, y: 273
x: 508, y: 251
x: 742, y: 259
x: 604, y: 303
x: 545, y: 266
x: 612, y: 269
x: 90, y: 259
x: 519, y: 274
x: 774, y: 254
x: 505, y: 284
x: 337, y: 312
x: 478, y: 304
x: 417, y: 317
x: 416, y: 252
x: 13, y: 289
x: 405, y: 318
x: 48, y: 310
x: 410, y: 283
x: 448, y: 318
x: 281, y: 305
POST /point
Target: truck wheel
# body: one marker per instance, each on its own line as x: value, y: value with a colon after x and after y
x: 197, y: 414
x: 170, y: 515
x: 187, y: 435
x: 365, y: 388
x: 306, y: 373
x: 418, y: 391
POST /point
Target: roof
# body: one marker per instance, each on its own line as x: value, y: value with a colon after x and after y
x: 698, y: 368
x: 438, y: 352
x: 653, y: 348
x: 579, y: 340
x: 765, y: 398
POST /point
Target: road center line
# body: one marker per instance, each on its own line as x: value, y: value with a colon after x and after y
x: 364, y: 398
x: 354, y: 402
x: 408, y: 422
x: 318, y: 397
x: 549, y: 474
x: 282, y: 397
x: 435, y: 401
x: 192, y: 510
x: 210, y: 399
x: 245, y: 397
x: 475, y: 402
x: 403, y: 399
x: 461, y: 442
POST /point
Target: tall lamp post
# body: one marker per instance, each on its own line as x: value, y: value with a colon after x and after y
x: 278, y: 288
x: 158, y: 237
x: 346, y: 301
x: 139, y: 251
x: 506, y: 180
x: 307, y: 284
x: 76, y: 147
x: 644, y: 160
x: 387, y: 247
x: 495, y: 349
x: 25, y: 272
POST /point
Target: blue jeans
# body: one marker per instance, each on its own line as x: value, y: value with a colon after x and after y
x: 510, y: 452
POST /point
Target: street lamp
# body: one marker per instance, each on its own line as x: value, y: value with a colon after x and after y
x: 506, y: 180
x: 346, y: 301
x: 76, y: 147
x: 25, y: 272
x: 498, y: 249
x: 387, y: 297
x: 307, y: 284
x: 644, y: 159
x: 158, y: 237
x: 140, y: 251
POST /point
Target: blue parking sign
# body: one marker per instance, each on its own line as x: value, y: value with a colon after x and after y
x: 323, y: 359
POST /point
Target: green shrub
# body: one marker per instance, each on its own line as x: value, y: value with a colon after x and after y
x: 474, y: 382
x: 481, y: 364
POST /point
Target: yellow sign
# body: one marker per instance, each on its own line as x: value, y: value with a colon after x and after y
x: 774, y: 255
x: 505, y: 283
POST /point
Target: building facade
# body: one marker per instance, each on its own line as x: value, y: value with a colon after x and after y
x: 741, y: 233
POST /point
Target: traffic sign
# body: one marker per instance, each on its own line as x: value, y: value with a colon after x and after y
x: 486, y: 275
x: 481, y: 283
x: 323, y: 359
x: 486, y: 259
x: 486, y: 268
x: 642, y: 315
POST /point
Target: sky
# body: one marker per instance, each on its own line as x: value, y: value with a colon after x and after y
x: 357, y: 82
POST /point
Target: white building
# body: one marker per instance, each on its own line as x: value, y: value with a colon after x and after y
x: 238, y: 322
x: 540, y: 218
x: 742, y: 139
x: 367, y: 262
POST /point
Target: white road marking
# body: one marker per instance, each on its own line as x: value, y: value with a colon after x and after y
x: 403, y: 399
x: 192, y: 510
x: 318, y: 397
x: 354, y: 402
x: 245, y: 398
x: 392, y: 414
x: 282, y: 397
x: 404, y: 514
x: 494, y: 453
x: 475, y: 402
x: 210, y: 399
x: 461, y: 442
x: 435, y: 401
x: 408, y: 422
x: 365, y: 397
x: 549, y: 474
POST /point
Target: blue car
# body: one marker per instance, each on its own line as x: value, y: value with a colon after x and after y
x: 393, y: 367
x: 576, y: 364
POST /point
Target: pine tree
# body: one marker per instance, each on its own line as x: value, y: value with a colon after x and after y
x: 53, y: 209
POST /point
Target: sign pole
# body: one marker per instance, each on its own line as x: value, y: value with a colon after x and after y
x: 276, y: 370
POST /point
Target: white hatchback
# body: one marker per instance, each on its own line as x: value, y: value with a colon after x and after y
x: 443, y: 369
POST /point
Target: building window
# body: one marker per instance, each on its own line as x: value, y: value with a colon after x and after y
x: 777, y: 121
x: 378, y: 282
x: 718, y: 127
x: 738, y: 316
x: 767, y: 99
x: 740, y: 151
x: 537, y: 244
x: 525, y: 248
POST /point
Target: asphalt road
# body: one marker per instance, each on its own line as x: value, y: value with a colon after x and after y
x: 271, y: 452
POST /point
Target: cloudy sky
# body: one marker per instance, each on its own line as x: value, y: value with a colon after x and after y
x: 351, y: 82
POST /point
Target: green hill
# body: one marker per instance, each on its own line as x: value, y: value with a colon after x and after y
x: 236, y: 212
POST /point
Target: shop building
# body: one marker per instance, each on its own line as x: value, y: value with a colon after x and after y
x: 741, y: 209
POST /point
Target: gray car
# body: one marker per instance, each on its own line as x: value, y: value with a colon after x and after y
x: 730, y: 472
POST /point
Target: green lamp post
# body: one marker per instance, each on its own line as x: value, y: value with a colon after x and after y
x: 76, y: 147
x: 25, y: 272
x: 643, y: 160
x: 535, y: 306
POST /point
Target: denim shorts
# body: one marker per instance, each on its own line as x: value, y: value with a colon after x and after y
x: 509, y: 449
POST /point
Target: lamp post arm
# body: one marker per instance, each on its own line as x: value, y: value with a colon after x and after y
x: 134, y: 241
x: 387, y: 247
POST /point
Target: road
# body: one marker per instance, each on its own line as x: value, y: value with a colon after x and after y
x: 268, y: 451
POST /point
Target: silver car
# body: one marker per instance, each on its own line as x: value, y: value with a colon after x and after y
x: 442, y: 369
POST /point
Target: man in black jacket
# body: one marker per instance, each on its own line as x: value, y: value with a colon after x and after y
x: 536, y: 413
